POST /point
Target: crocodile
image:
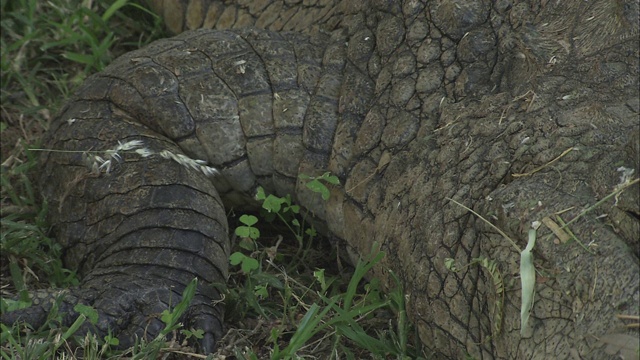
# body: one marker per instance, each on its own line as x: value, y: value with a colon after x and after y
x: 522, y: 111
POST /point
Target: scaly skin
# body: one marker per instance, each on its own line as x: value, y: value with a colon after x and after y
x: 278, y: 15
x: 410, y: 105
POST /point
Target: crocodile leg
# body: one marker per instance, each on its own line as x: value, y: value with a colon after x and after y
x: 139, y: 233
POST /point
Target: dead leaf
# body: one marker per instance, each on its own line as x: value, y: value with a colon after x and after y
x: 561, y: 234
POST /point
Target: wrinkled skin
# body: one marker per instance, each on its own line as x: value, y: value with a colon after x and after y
x: 410, y: 105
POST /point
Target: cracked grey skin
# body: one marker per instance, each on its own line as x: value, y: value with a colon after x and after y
x: 409, y: 104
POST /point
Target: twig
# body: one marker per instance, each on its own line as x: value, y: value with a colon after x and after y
x: 614, y: 193
x: 513, y: 243
x: 545, y: 165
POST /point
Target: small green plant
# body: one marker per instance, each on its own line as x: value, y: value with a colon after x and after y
x: 171, y: 317
x: 248, y: 230
x: 284, y: 209
x: 274, y: 207
x: 248, y: 234
x: 319, y: 308
x: 257, y: 281
x: 317, y: 184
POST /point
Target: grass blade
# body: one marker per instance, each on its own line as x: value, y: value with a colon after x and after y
x: 528, y: 280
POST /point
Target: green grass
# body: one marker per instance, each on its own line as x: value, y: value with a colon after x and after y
x: 313, y: 309
x: 287, y: 298
x: 48, y: 48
